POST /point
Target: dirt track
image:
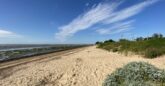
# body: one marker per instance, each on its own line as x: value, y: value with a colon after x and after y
x: 87, y: 67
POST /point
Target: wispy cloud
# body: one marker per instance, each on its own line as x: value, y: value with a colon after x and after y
x: 116, y: 28
x: 104, y: 14
x: 8, y: 34
x: 128, y: 12
x: 86, y: 20
x: 87, y: 4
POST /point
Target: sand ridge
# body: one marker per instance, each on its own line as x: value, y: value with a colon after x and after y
x: 88, y: 67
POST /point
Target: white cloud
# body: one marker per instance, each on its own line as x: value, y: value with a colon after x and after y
x: 86, y: 20
x: 87, y: 4
x: 128, y: 12
x: 8, y: 34
x: 116, y: 28
x: 104, y: 14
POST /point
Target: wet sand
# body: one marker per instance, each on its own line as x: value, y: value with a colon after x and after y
x: 86, y: 67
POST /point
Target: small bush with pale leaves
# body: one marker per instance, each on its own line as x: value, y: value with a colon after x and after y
x: 136, y: 74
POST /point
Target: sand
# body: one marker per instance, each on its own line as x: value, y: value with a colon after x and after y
x: 88, y: 67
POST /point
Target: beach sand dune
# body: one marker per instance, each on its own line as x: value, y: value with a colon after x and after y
x: 88, y: 67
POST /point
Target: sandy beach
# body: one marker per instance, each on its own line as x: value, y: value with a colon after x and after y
x: 86, y: 67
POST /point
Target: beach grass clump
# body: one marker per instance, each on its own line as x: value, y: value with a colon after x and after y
x: 152, y: 53
x: 150, y: 47
x: 136, y: 74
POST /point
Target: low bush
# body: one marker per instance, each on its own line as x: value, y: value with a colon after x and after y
x: 114, y: 49
x: 136, y: 74
x: 152, y: 53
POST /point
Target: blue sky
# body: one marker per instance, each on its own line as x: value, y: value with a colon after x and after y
x: 78, y: 21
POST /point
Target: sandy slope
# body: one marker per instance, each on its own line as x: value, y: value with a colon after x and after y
x: 88, y: 67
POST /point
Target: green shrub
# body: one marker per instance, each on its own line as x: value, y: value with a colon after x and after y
x: 136, y: 74
x: 114, y: 49
x: 152, y: 53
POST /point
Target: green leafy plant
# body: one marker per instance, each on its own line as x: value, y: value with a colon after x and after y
x: 136, y: 74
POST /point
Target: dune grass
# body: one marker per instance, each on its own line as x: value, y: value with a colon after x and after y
x: 149, y: 47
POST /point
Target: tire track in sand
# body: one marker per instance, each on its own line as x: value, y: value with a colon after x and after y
x: 72, y: 75
x: 68, y: 78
